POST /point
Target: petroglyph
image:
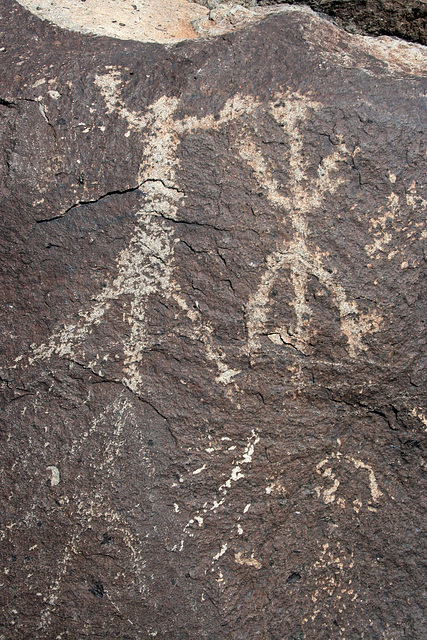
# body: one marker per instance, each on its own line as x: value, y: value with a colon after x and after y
x: 88, y: 510
x: 145, y: 267
x: 302, y: 261
x: 373, y: 485
x: 382, y: 227
x: 330, y: 572
x: 219, y: 500
x: 329, y: 493
x: 197, y: 313
x: 413, y: 198
x: 95, y: 506
x: 220, y: 496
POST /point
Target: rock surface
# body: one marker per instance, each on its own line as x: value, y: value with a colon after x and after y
x: 402, y: 18
x: 149, y: 21
x: 169, y: 22
x: 213, y: 316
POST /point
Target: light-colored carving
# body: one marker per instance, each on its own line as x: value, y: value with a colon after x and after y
x: 96, y: 506
x: 220, y: 496
x: 302, y: 260
x: 145, y: 266
x: 418, y: 412
x: 330, y: 573
x: 328, y: 493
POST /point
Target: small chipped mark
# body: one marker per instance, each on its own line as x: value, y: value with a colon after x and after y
x: 197, y: 471
x: 248, y: 562
x: 216, y: 504
x: 55, y: 477
x: 227, y: 375
x: 39, y: 83
x: 418, y: 413
x: 220, y: 552
x: 178, y: 548
x: 235, y: 475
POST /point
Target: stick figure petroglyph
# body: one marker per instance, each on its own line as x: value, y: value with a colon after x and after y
x: 146, y: 265
x: 146, y: 268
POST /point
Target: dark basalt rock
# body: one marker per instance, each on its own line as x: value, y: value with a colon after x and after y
x: 401, y: 18
x: 213, y: 317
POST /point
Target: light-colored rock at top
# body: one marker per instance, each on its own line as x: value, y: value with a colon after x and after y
x: 162, y: 21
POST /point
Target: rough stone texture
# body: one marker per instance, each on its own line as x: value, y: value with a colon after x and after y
x: 148, y: 20
x: 169, y: 22
x: 401, y: 18
x: 213, y: 315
